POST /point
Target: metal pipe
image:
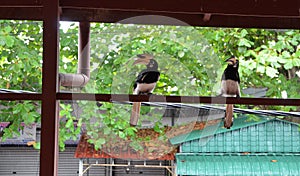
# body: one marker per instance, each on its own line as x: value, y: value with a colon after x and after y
x: 84, y: 49
x: 73, y: 80
x: 80, y: 167
x: 83, y: 71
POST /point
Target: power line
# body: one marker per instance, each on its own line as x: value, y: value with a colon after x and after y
x: 212, y: 107
x: 193, y: 106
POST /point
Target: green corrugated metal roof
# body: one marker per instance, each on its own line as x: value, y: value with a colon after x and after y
x: 273, y: 136
x: 242, y: 165
x: 239, y: 123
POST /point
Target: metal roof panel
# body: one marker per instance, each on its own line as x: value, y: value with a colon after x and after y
x: 239, y: 123
x: 227, y: 164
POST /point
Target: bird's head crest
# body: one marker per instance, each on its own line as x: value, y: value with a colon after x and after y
x: 143, y: 59
x: 232, y: 61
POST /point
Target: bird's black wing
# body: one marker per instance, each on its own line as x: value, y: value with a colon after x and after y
x: 231, y: 74
x: 148, y: 77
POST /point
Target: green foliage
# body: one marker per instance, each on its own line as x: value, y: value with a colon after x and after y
x: 21, y: 69
x: 190, y: 61
x: 176, y: 55
x: 110, y: 121
x: 21, y: 55
x: 16, y: 113
x: 68, y: 48
x: 268, y: 58
x: 69, y: 130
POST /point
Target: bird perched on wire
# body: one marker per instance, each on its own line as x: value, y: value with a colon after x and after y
x: 230, y: 87
x: 145, y: 82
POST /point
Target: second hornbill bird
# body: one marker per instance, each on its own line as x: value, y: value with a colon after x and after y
x: 145, y: 82
x: 230, y: 87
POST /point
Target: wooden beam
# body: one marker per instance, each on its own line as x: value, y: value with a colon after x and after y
x: 50, y: 105
x: 229, y: 13
x: 20, y: 96
x: 177, y: 99
x: 280, y: 8
x: 244, y: 7
x: 154, y: 98
x: 21, y: 13
x: 159, y: 18
x: 164, y: 18
x: 21, y: 3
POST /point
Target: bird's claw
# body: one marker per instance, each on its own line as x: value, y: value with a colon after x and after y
x: 145, y: 93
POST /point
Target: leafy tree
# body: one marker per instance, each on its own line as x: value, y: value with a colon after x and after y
x: 190, y: 61
x: 20, y: 68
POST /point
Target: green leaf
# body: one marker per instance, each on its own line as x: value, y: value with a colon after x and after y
x: 122, y: 134
x: 288, y: 65
x: 281, y: 60
x: 2, y: 40
x: 9, y: 41
x: 131, y: 131
x: 69, y: 123
x: 99, y: 142
x: 244, y: 32
x: 286, y: 54
x: 297, y: 54
x: 37, y: 145
x: 181, y: 54
x: 157, y: 128
x: 29, y: 118
x: 296, y: 62
x: 106, y: 131
x: 17, y: 109
x: 7, y: 29
x: 244, y: 42
x: 89, y: 133
x: 250, y: 53
x: 260, y: 69
x: 271, y: 72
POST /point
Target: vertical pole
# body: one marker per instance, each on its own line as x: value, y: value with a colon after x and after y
x: 84, y: 48
x: 110, y: 167
x: 49, y: 131
x: 80, y: 167
x: 174, y: 169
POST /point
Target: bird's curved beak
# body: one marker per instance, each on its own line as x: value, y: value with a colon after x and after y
x: 144, y: 61
x: 231, y: 61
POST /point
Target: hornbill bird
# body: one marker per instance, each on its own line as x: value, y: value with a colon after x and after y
x: 145, y: 82
x: 230, y: 87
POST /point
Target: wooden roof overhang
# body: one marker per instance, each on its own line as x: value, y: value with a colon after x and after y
x: 229, y: 13
x: 87, y: 150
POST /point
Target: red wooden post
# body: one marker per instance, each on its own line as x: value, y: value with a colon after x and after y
x: 50, y: 105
